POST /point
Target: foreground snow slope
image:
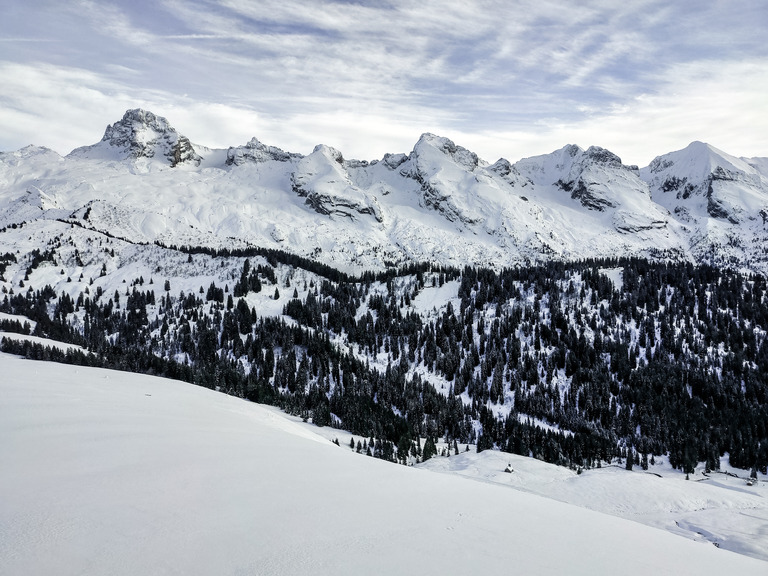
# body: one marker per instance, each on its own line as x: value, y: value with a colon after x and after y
x: 115, y: 473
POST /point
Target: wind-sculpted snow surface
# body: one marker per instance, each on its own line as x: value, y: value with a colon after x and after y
x: 113, y: 473
x: 440, y: 203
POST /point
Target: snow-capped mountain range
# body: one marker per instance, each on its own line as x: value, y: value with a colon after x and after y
x: 146, y: 182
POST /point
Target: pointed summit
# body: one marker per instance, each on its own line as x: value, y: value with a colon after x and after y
x: 696, y: 162
x: 429, y: 145
x: 701, y: 182
x: 142, y: 134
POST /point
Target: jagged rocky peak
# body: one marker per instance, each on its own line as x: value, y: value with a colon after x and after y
x: 571, y: 150
x: 393, y: 161
x: 547, y: 169
x: 256, y: 152
x: 333, y: 155
x: 594, y: 157
x: 689, y: 157
x: 595, y: 177
x: 683, y: 173
x: 599, y: 180
x: 142, y: 134
x: 603, y: 156
x: 324, y: 166
x: 692, y: 171
x: 568, y: 163
x: 134, y: 127
x: 508, y: 172
x: 323, y: 180
x: 502, y: 167
x: 329, y: 152
x: 701, y: 181
x: 430, y: 142
x: 449, y: 177
x: 697, y: 163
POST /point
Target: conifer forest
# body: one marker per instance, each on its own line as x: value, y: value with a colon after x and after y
x: 559, y: 361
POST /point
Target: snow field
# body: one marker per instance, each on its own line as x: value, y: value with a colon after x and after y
x: 116, y: 473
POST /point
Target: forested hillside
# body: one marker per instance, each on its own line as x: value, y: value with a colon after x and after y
x: 579, y: 363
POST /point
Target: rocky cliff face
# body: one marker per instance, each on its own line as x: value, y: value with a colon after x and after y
x: 701, y: 181
x: 445, y: 173
x: 598, y: 180
x: 322, y: 178
x: 718, y: 199
x: 254, y: 151
x: 141, y: 134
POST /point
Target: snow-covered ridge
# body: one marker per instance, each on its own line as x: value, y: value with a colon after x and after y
x: 702, y: 182
x: 440, y: 202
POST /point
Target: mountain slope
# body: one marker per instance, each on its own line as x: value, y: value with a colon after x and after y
x: 721, y: 200
x: 115, y: 473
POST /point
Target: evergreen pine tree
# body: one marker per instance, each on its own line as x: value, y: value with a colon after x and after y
x: 429, y: 450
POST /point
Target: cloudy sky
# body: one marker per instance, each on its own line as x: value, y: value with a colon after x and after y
x: 502, y: 78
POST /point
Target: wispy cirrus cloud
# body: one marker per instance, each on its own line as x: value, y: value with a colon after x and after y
x: 696, y: 101
x: 373, y: 76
